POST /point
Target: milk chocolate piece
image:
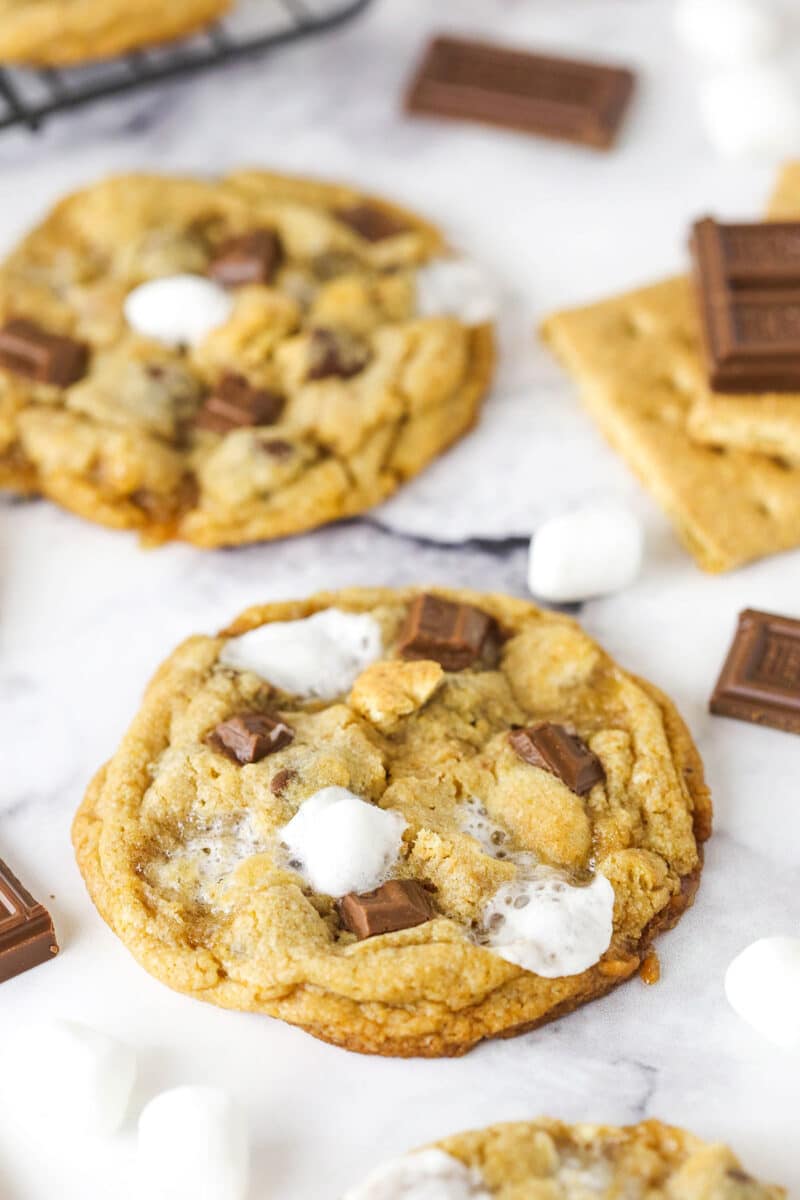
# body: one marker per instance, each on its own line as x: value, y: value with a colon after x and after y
x: 454, y: 635
x: 557, y: 97
x: 760, y: 681
x: 236, y: 404
x: 747, y: 279
x: 27, y: 349
x: 281, y: 780
x: 398, y: 904
x: 335, y: 352
x: 249, y: 737
x: 370, y: 222
x: 555, y: 749
x: 27, y: 937
x: 249, y: 258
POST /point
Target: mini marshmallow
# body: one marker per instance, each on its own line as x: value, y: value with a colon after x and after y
x: 727, y: 32
x: 752, y: 112
x: 456, y: 287
x: 177, y: 310
x: 549, y: 927
x: 763, y: 986
x: 318, y: 656
x: 341, y: 843
x: 589, y: 552
x: 426, y: 1175
x: 193, y: 1145
x: 84, y: 1078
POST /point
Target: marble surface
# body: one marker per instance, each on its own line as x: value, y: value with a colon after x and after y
x: 85, y: 615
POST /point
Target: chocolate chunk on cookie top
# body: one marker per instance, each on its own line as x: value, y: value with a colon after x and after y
x: 28, y: 349
x: 453, y: 635
x: 556, y: 749
x: 235, y: 404
x: 336, y: 352
x: 370, y: 222
x: 249, y: 258
x: 376, y: 864
x: 760, y: 681
x: 249, y: 737
x: 397, y: 904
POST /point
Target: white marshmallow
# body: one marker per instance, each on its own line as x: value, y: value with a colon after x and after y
x: 84, y: 1078
x: 763, y: 986
x: 753, y: 112
x: 193, y: 1145
x: 426, y: 1175
x: 343, y: 844
x: 319, y: 656
x: 177, y: 309
x: 589, y: 552
x: 549, y: 927
x: 727, y: 32
x: 456, y: 287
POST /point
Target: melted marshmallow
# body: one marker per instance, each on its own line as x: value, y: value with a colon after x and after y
x: 456, y: 287
x: 763, y: 986
x: 319, y: 656
x: 549, y: 927
x: 178, y: 310
x: 340, y: 843
x: 426, y: 1175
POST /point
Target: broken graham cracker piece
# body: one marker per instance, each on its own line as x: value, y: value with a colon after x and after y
x: 638, y: 362
x: 398, y: 904
x: 555, y: 749
x: 455, y: 635
x: 27, y: 936
x: 388, y: 691
x: 760, y: 681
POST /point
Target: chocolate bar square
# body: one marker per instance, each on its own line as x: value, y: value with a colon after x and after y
x: 760, y: 681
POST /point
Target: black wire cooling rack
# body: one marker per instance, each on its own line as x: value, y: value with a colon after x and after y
x: 28, y: 97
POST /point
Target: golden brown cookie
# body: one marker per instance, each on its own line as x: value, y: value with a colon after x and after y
x: 226, y: 361
x: 402, y: 821
x: 548, y: 1160
x: 638, y: 362
x: 62, y: 32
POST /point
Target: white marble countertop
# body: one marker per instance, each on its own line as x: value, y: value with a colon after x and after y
x: 85, y: 615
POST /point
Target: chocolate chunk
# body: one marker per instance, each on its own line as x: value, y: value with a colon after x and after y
x: 236, y: 404
x: 335, y: 352
x: 249, y: 737
x: 27, y: 937
x: 747, y: 279
x: 454, y: 635
x: 281, y: 780
x: 27, y: 349
x: 249, y: 258
x: 370, y: 222
x: 277, y: 448
x: 398, y: 904
x: 555, y: 749
x: 559, y: 98
x: 760, y: 681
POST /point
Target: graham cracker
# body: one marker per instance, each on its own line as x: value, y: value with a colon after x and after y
x: 767, y: 422
x: 638, y: 361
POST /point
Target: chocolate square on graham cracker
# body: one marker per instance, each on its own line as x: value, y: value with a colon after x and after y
x: 561, y: 98
x: 747, y: 279
x: 760, y: 681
